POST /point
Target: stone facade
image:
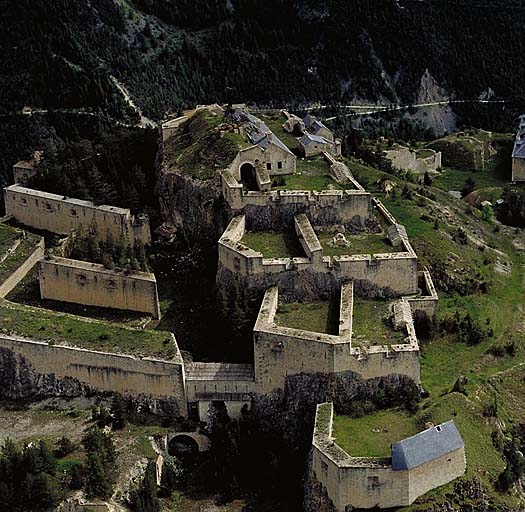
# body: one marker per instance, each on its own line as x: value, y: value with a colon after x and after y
x: 518, y: 153
x: 206, y: 382
x: 104, y: 371
x: 61, y: 215
x: 23, y: 171
x: 365, y: 483
x: 405, y: 159
x: 91, y: 284
x: 282, y: 351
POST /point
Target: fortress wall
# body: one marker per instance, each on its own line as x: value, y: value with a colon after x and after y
x: 437, y: 472
x: 91, y: 284
x: 518, y: 169
x: 272, y: 209
x: 308, y: 239
x: 57, y: 214
x: 105, y: 371
x: 12, y: 281
x: 429, y: 300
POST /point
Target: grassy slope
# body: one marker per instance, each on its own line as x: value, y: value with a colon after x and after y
x: 61, y: 328
x: 444, y: 359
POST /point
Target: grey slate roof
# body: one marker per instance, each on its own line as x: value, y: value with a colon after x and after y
x: 316, y: 126
x: 519, y: 143
x: 307, y: 139
x: 426, y: 446
x: 257, y: 131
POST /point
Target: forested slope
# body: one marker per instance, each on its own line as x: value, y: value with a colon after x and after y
x: 173, y: 53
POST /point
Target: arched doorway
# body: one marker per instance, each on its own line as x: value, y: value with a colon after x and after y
x: 248, y: 176
x: 183, y: 445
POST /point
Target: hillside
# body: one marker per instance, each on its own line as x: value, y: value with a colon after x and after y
x: 173, y: 54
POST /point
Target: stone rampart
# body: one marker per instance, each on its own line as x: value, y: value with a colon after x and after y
x: 129, y: 375
x: 405, y: 159
x: 12, y: 281
x: 59, y: 214
x: 271, y: 209
x: 91, y: 284
x: 282, y: 351
x: 363, y: 483
x: 396, y: 271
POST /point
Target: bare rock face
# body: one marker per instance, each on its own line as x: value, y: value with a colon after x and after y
x: 19, y: 380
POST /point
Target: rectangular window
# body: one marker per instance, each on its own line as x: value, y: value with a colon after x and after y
x: 373, y: 482
x: 269, y: 166
x: 279, y: 165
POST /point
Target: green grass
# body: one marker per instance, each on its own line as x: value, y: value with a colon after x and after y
x: 358, y: 436
x: 61, y: 328
x: 371, y: 324
x: 314, y: 317
x: 312, y: 174
x: 8, y: 236
x: 359, y: 244
x: 275, y: 123
x: 27, y: 246
x: 424, y: 153
x: 273, y: 245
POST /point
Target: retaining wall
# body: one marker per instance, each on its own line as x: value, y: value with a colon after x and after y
x: 106, y: 371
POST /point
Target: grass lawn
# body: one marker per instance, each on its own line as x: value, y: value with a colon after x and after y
x: 273, y: 245
x: 359, y: 437
x: 26, y: 247
x: 312, y: 174
x: 275, y: 123
x: 370, y: 325
x: 314, y: 317
x: 359, y: 244
x: 424, y: 153
x: 62, y: 328
x: 8, y: 235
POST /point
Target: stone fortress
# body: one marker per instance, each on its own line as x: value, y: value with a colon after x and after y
x: 351, y: 247
x: 418, y: 161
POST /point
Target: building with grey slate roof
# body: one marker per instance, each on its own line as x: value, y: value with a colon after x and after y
x: 518, y: 153
x: 420, y: 463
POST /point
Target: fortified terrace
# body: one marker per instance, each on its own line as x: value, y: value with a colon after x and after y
x: 334, y: 279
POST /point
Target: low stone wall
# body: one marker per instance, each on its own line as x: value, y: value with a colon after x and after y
x: 405, y: 159
x: 12, y: 281
x: 81, y: 282
x: 282, y: 351
x: 428, y: 301
x: 134, y: 376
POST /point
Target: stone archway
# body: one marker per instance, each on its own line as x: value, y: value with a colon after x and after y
x: 248, y: 176
x: 182, y: 445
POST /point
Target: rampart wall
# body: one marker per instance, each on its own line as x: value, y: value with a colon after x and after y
x: 271, y: 209
x: 518, y: 169
x: 59, y: 214
x: 105, y: 371
x: 407, y: 160
x: 92, y: 284
x: 281, y: 351
x: 396, y: 271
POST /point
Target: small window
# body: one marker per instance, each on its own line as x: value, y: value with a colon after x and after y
x: 279, y: 165
x: 81, y: 279
x: 24, y: 200
x: 73, y: 212
x: 48, y: 207
x: 373, y: 482
x: 269, y: 166
x: 324, y: 467
x: 438, y: 428
x: 111, y: 284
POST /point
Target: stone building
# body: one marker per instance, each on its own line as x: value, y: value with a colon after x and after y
x: 61, y: 215
x: 312, y: 145
x: 406, y: 159
x: 418, y: 464
x: 518, y: 153
x: 91, y: 284
x: 267, y: 156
